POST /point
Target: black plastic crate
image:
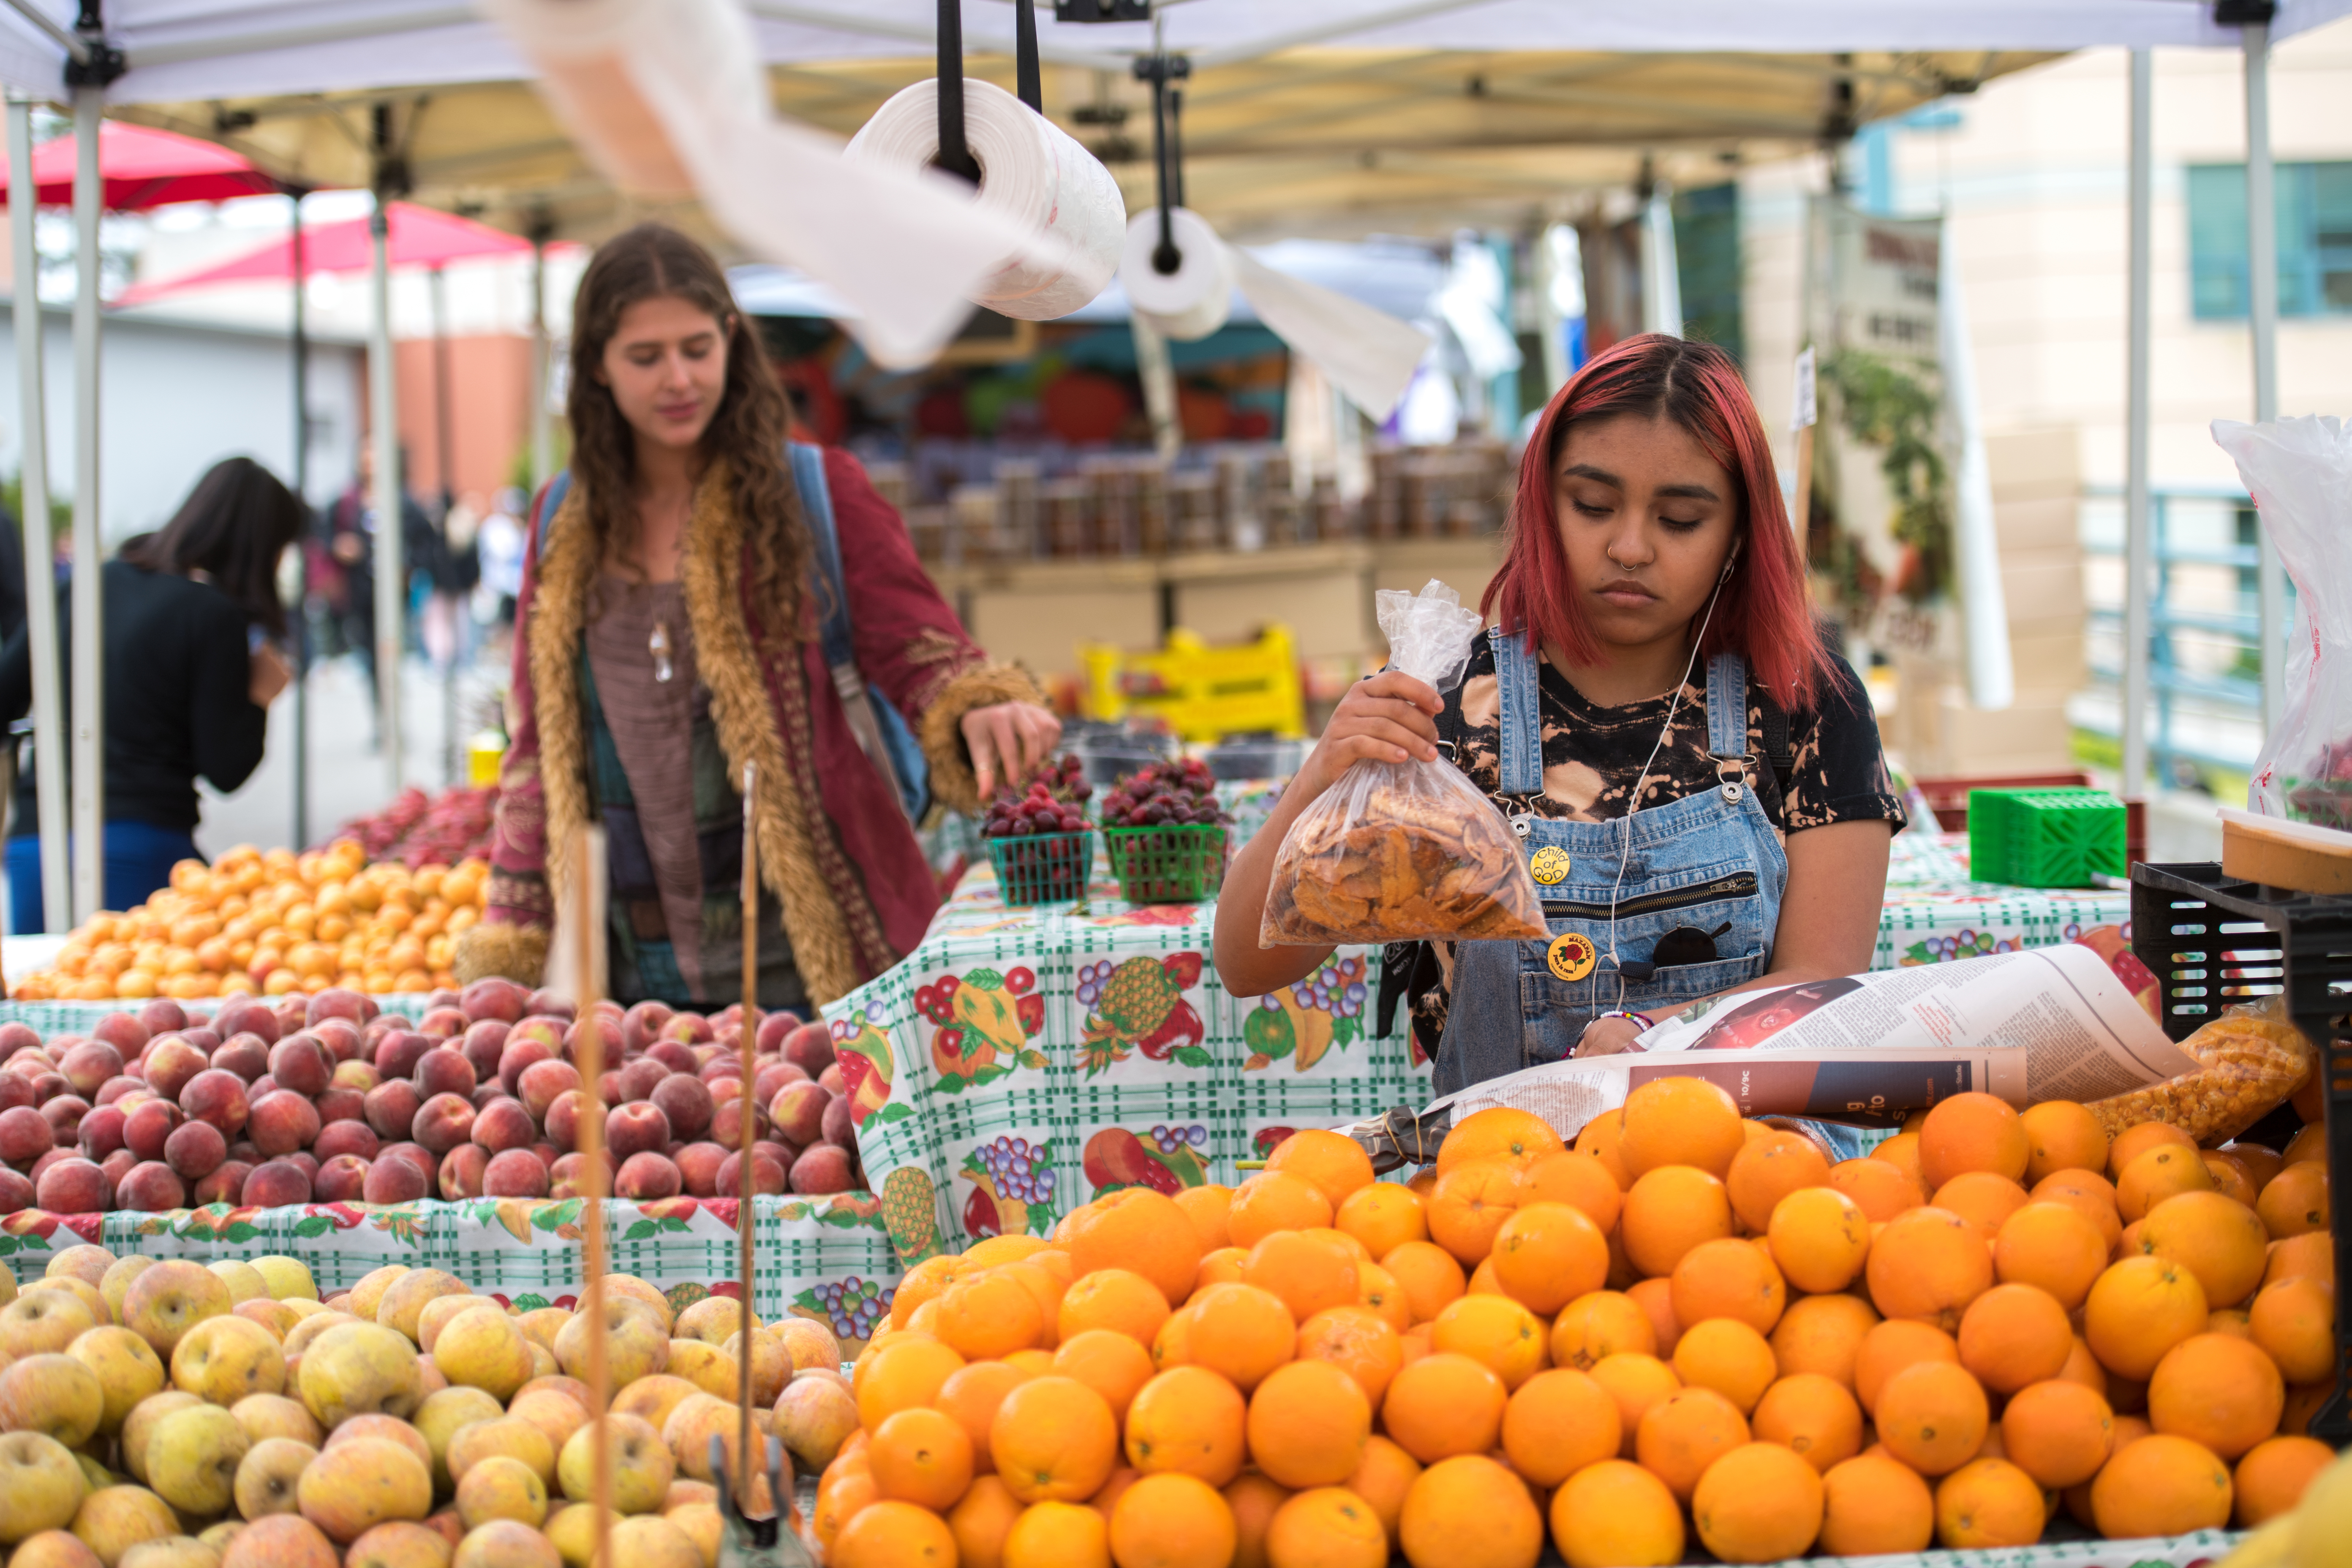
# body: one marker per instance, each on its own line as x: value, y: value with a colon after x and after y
x: 2213, y: 941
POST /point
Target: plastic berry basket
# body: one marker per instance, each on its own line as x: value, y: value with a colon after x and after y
x: 1042, y: 867
x: 1168, y: 864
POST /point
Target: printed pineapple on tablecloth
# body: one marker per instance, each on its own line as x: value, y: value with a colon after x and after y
x: 1139, y: 1005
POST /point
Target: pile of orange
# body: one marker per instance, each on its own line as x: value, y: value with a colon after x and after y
x: 1686, y: 1323
x: 273, y: 923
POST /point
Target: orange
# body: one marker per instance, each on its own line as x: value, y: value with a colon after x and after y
x: 1382, y: 1480
x: 1496, y: 1331
x: 900, y: 1374
x: 1470, y: 1512
x: 921, y: 1456
x: 1427, y: 1274
x: 837, y: 1504
x: 2270, y: 1478
x: 1988, y: 1504
x: 1728, y: 1278
x: 1171, y: 1520
x: 2133, y: 1141
x: 970, y: 1395
x: 1822, y: 1334
x: 1902, y: 1152
x: 1656, y: 1297
x: 1239, y: 1331
x: 1275, y: 1200
x: 2222, y: 1240
x: 925, y: 1281
x: 2309, y: 1144
x: 1761, y: 1503
x: 1520, y: 1137
x: 2261, y: 1162
x: 1600, y: 1324
x: 2059, y: 1433
x: 1443, y: 1404
x: 1254, y: 1500
x: 1670, y: 1210
x: 1928, y: 1264
x: 2083, y: 1367
x: 2231, y: 1176
x: 1056, y: 1534
x: 1603, y: 1139
x: 890, y: 1534
x: 1207, y: 1207
x: 1636, y: 1382
x: 1383, y: 1216
x: 1121, y: 1478
x: 1357, y: 1342
x: 2303, y: 1402
x: 1819, y: 1237
x: 1111, y: 1363
x: 2157, y: 1174
x: 1812, y: 1415
x: 2230, y: 1320
x: 2013, y: 1335
x: 981, y: 1522
x: 2086, y: 1191
x: 2052, y: 1247
x: 1054, y: 1440
x: 1616, y: 1515
x: 1547, y: 1254
x: 1330, y: 1527
x: 2161, y: 1485
x: 1469, y: 1205
x: 1680, y: 1121
x: 1767, y: 1170
x: 1557, y: 1422
x: 1973, y: 1131
x: 2295, y: 1323
x: 2060, y: 1135
x: 1932, y: 1416
x: 1140, y: 1229
x: 1378, y: 1292
x: 1872, y: 1505
x: 1188, y: 1419
x: 1579, y: 1180
x: 986, y: 1316
x: 1883, y: 1189
x: 1308, y: 1424
x: 1982, y: 1198
x: 1684, y: 1433
x: 1118, y: 1300
x: 1335, y: 1163
x: 2218, y: 1389
x: 1306, y: 1273
x: 2296, y: 1200
x: 1730, y: 1357
x: 2140, y: 1307
x: 1031, y: 1363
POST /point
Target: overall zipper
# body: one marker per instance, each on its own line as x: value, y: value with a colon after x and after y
x: 1738, y: 885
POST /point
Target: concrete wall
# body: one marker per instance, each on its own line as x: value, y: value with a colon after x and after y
x: 489, y: 410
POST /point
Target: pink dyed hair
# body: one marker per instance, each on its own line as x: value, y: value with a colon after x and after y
x: 1763, y: 615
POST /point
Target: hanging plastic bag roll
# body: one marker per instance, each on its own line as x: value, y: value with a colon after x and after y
x: 1191, y: 302
x: 1368, y: 354
x: 1030, y: 172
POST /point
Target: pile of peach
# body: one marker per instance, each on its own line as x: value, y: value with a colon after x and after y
x: 1684, y: 1324
x: 273, y: 923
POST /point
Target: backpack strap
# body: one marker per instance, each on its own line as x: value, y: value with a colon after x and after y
x: 1780, y: 755
x: 549, y: 505
x: 817, y: 511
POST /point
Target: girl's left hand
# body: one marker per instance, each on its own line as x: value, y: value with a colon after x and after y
x: 1609, y: 1038
x: 1011, y: 738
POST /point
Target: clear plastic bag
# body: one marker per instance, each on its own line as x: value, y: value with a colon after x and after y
x: 1395, y: 851
x: 2253, y: 1059
x: 2299, y: 472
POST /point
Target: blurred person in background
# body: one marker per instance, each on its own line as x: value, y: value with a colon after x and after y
x: 350, y: 545
x: 193, y: 633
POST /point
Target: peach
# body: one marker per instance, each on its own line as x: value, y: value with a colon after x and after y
x: 568, y: 1177
x: 504, y: 1124
x: 15, y: 1191
x: 822, y: 1170
x: 442, y: 1122
x: 90, y: 1065
x: 244, y: 1055
x: 346, y: 1138
x: 416, y: 1154
x: 647, y: 1176
x: 541, y: 1083
x: 277, y: 1185
x: 482, y: 1044
x: 462, y: 1172
x: 151, y: 1187
x: 146, y: 1125
x: 515, y: 1174
x: 74, y: 1186
x: 698, y: 1167
x: 302, y: 1064
x: 392, y: 1107
x: 357, y: 1076
x: 444, y: 1071
x: 342, y: 1180
x: 634, y: 1129
x: 248, y: 1016
x: 172, y: 1062
x: 217, y: 1097
x: 225, y: 1185
x: 809, y: 1048
x: 798, y: 1113
x: 398, y: 1052
x: 195, y: 1150
x: 495, y: 997
x: 101, y: 1132
x: 768, y: 1176
x: 517, y: 1056
x: 24, y: 1136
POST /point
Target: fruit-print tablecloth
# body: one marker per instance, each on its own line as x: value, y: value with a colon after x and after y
x: 1934, y: 912
x: 825, y: 1259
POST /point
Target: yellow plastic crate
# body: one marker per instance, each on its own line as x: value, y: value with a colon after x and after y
x: 1200, y: 693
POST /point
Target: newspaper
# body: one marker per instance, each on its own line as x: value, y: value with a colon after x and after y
x: 2051, y: 1023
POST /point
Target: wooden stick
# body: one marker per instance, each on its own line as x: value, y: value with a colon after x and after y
x: 590, y: 1061
x: 748, y: 1041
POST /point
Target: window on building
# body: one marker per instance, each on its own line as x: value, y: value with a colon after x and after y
x: 2314, y: 239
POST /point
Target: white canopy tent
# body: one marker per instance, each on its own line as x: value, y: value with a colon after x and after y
x: 137, y: 55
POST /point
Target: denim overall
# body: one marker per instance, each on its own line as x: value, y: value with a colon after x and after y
x: 1703, y: 861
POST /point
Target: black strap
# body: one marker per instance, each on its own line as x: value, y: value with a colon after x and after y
x: 1778, y: 754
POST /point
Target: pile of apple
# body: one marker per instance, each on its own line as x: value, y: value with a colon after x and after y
x: 418, y: 829
x: 323, y: 1099
x: 171, y: 1414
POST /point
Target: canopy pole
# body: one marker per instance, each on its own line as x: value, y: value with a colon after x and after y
x: 542, y: 419
x: 40, y: 549
x: 444, y: 451
x: 1662, y: 290
x: 2261, y: 311
x: 2137, y: 545
x: 88, y: 770
x: 391, y: 573
x: 301, y: 470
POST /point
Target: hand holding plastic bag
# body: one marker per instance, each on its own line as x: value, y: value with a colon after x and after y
x: 1395, y: 851
x: 2299, y: 472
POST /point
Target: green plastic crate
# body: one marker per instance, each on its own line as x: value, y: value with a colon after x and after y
x: 2045, y: 838
x: 1177, y: 863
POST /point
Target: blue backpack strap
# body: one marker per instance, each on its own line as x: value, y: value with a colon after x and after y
x: 817, y: 511
x: 557, y: 488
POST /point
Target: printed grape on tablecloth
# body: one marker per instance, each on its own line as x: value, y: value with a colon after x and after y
x: 1933, y: 913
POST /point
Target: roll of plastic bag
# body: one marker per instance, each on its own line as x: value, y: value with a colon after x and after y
x: 1030, y: 172
x: 1191, y: 302
x: 1368, y: 354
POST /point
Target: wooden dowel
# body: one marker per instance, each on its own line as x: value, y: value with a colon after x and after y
x: 590, y: 1060
x: 748, y: 1042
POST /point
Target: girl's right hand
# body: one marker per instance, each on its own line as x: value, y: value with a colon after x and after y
x: 1385, y: 717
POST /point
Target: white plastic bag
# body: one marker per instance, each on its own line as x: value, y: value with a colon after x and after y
x: 1395, y: 851
x: 2299, y: 472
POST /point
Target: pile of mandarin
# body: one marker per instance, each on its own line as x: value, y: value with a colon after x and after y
x: 1686, y: 1323
x: 273, y: 923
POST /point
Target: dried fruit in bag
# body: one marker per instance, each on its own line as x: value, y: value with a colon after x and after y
x: 1395, y: 851
x: 2254, y: 1059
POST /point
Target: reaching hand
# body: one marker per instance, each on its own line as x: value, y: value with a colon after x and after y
x: 1008, y: 739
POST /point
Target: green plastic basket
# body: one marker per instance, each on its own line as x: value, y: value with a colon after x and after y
x: 1043, y: 868
x: 1176, y: 864
x: 2045, y: 838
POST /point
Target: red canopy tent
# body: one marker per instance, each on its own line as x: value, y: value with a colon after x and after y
x: 420, y: 236
x: 139, y: 168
